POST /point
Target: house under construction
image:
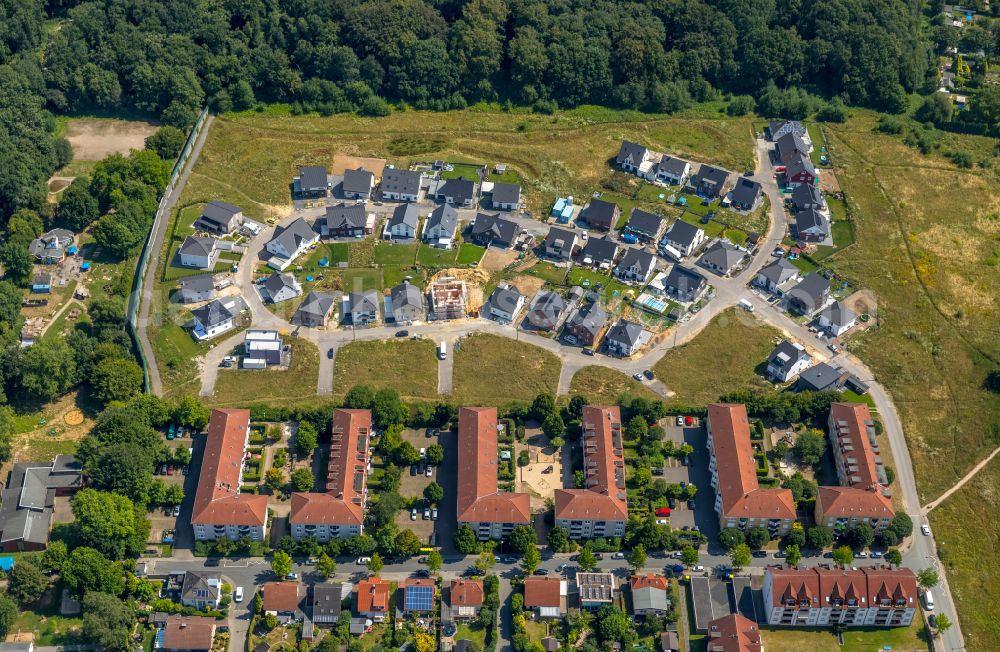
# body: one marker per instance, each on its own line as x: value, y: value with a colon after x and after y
x: 449, y: 298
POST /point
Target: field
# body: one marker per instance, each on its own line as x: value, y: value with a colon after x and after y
x: 94, y: 138
x: 909, y: 639
x: 408, y: 366
x: 723, y: 357
x: 603, y: 386
x: 492, y: 370
x: 270, y: 387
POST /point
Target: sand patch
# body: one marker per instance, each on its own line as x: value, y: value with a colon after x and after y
x: 92, y: 139
x: 495, y: 260
x: 343, y: 162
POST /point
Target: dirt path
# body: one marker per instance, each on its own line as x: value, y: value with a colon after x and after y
x: 961, y: 483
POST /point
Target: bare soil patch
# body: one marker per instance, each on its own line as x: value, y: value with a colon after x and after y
x: 528, y: 285
x: 828, y: 180
x: 497, y: 259
x: 93, y: 139
x: 343, y: 162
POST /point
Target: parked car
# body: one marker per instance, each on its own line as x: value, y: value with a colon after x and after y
x: 827, y: 555
x: 878, y: 554
x: 680, y: 421
x: 561, y: 567
x: 541, y: 571
x: 423, y: 453
x: 292, y: 576
x: 677, y: 568
x: 778, y: 252
x: 176, y: 512
x: 413, y: 514
x: 698, y: 568
x: 649, y: 374
x: 781, y: 554
x: 238, y: 594
x: 690, y: 503
x: 413, y: 470
x: 618, y: 555
x: 422, y: 572
x: 672, y: 502
x: 434, y: 514
x: 402, y: 333
x: 588, y: 351
x: 170, y: 469
x: 363, y: 560
x: 661, y: 521
x: 548, y: 469
x: 925, y: 530
x: 688, y: 420
x: 329, y: 353
x: 662, y: 511
x: 429, y: 472
x: 759, y: 553
x: 427, y: 513
x: 656, y: 470
x: 639, y: 377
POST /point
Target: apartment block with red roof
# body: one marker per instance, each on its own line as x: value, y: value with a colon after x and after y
x: 220, y: 510
x: 340, y: 511
x: 863, y: 496
x: 493, y: 514
x: 734, y: 633
x: 372, y: 598
x: 600, y: 509
x: 823, y: 596
x: 740, y: 502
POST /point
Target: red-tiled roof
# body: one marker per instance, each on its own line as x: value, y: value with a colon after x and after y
x: 280, y: 596
x: 734, y: 633
x: 542, y: 592
x: 891, y: 587
x: 741, y: 496
x: 188, y: 633
x: 372, y: 595
x: 849, y: 423
x: 466, y: 593
x: 347, y: 475
x: 853, y: 502
x: 603, y: 498
x: 792, y: 585
x: 478, y: 498
x: 648, y: 580
x: 825, y: 587
x: 839, y: 587
x: 217, y: 500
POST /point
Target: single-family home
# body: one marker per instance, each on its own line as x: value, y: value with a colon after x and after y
x: 185, y: 634
x: 721, y: 257
x: 585, y: 325
x: 806, y: 196
x: 624, y: 338
x: 505, y: 302
x: 261, y: 348
x: 198, y: 252
x: 599, y: 252
x: 745, y: 194
x: 547, y: 310
x: 401, y: 185
x: 636, y: 266
x: 836, y: 319
x: 631, y: 156
x: 51, y: 247
x: 407, y: 303
x: 811, y: 226
x: 458, y: 192
x: 649, y: 595
x: 344, y: 221
x: 789, y: 147
x: 312, y: 182
x: 645, y: 225
x: 403, y: 223
x: 506, y: 196
x: 201, y: 589
x: 466, y: 598
x: 418, y: 595
x: 672, y: 170
x: 215, y: 317
x: 282, y: 599
x: 684, y: 284
x: 29, y: 498
x: 493, y: 230
x: 800, y: 170
x: 778, y: 276
x: 809, y: 295
x: 683, y: 238
x: 545, y: 596
x: 559, y: 243
x: 327, y: 602
x: 787, y: 360
x: 362, y: 307
x: 734, y: 633
x: 710, y: 182
x: 197, y: 288
x: 440, y: 227
x: 219, y: 218
x: 778, y: 128
x: 41, y: 283
x: 315, y: 309
x: 595, y: 589
x: 358, y: 184
x: 600, y: 214
x: 289, y: 243
x: 281, y: 287
x: 820, y: 378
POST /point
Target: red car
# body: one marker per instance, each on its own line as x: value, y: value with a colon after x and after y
x: 170, y: 470
x: 688, y: 420
x: 663, y: 511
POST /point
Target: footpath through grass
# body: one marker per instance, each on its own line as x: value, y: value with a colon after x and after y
x: 493, y: 370
x: 408, y: 366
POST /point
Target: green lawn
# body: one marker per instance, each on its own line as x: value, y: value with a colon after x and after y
x: 603, y: 385
x: 173, y: 273
x: 49, y: 627
x: 429, y: 256
x: 297, y: 384
x: 899, y: 639
x: 816, y: 135
x: 462, y: 171
x: 362, y: 280
x: 336, y: 252
x: 395, y: 254
x: 493, y: 370
x: 610, y: 288
x: 548, y: 272
x: 393, y: 275
x: 469, y: 254
x: 175, y: 354
x: 843, y: 236
x: 408, y: 366
x: 475, y: 633
x: 711, y: 229
x: 807, y: 266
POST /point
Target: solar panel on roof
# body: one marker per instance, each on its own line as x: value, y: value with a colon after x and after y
x: 419, y: 598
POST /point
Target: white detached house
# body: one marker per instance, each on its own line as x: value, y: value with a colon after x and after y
x: 289, y: 243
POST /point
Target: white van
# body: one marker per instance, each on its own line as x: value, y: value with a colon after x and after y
x: 238, y: 594
x: 746, y: 305
x: 443, y: 351
x: 929, y: 600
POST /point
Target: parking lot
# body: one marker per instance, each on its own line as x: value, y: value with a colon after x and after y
x: 412, y: 485
x: 696, y: 473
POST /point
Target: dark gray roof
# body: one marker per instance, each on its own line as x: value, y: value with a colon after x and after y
x: 407, y: 214
x: 406, y: 182
x: 316, y: 304
x: 198, y: 283
x: 201, y: 580
x: 460, y: 190
x: 746, y: 191
x: 194, y: 245
x: 312, y: 177
x: 810, y: 221
x: 359, y: 180
x: 495, y: 228
x: 806, y: 195
x: 838, y: 314
x: 549, y: 306
x: 506, y: 193
x: 675, y: 166
x: 505, y: 297
x: 601, y: 211
x: 722, y: 255
x: 212, y: 313
x: 406, y: 294
x: 799, y: 163
x: 789, y: 145
x: 820, y: 377
x: 219, y: 211
x: 363, y: 301
x: 635, y: 150
x: 52, y: 242
x: 644, y: 222
x: 601, y: 250
x: 278, y: 281
x: 562, y: 239
x: 786, y: 354
x: 812, y: 288
x: 684, y: 278
x: 591, y: 318
x: 712, y: 174
x: 776, y: 125
x: 444, y: 217
x: 626, y: 332
x: 345, y: 216
x: 41, y: 278
x: 683, y: 233
x: 26, y: 510
x: 293, y: 235
x: 779, y: 271
x: 327, y: 600
x: 639, y: 258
